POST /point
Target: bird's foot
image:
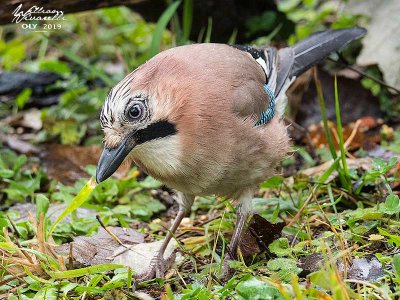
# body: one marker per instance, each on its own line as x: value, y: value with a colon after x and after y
x: 157, y: 268
x: 226, y: 272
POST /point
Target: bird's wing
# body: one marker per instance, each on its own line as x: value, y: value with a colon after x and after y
x: 282, y: 66
x: 295, y: 60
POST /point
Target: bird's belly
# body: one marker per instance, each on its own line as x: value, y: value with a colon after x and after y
x: 217, y: 179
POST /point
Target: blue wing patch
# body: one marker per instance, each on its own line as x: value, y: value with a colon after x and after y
x: 267, y: 115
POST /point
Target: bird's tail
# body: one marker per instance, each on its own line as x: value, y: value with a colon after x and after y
x: 287, y: 63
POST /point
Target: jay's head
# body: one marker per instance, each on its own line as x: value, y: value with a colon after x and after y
x: 132, y: 117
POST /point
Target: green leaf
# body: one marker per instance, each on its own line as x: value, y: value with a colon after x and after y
x: 106, y: 191
x: 195, y: 291
x: 288, y: 5
x: 70, y: 131
x: 160, y: 27
x: 142, y: 206
x: 23, y: 98
x: 261, y: 23
x: 19, y: 162
x: 3, y: 222
x: 393, y: 239
x: 55, y: 66
x: 382, y: 165
x: 392, y: 202
x: 396, y: 265
x: 5, y: 173
x: 272, y: 182
x: 324, y: 177
x: 84, y: 271
x: 257, y: 289
x: 321, y: 278
x: 42, y: 205
x: 83, y: 194
x: 280, y: 247
x: 19, y: 190
x: 150, y: 183
x: 13, y: 54
x: 364, y: 214
x: 68, y: 287
x: 284, y: 267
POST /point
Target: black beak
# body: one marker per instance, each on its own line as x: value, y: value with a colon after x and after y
x: 111, y: 159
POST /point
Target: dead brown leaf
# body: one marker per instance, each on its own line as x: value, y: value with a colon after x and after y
x: 367, y: 269
x: 259, y: 234
x: 128, y: 249
x: 363, y: 136
x: 99, y: 248
x: 28, y: 119
x: 310, y: 263
x: 66, y: 163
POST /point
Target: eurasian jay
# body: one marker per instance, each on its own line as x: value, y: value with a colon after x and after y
x: 205, y: 119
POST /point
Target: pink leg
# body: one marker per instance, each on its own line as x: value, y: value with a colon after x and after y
x: 243, y: 210
x: 158, y: 264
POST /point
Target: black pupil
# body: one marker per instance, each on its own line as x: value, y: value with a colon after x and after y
x: 134, y: 112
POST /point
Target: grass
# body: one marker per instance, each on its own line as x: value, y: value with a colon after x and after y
x: 318, y: 221
x: 329, y: 218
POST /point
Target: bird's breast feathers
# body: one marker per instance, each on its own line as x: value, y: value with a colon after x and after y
x: 221, y: 164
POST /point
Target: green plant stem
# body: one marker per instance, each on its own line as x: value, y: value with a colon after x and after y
x: 326, y: 128
x: 341, y: 140
x: 160, y: 27
x: 325, y: 117
x: 187, y: 19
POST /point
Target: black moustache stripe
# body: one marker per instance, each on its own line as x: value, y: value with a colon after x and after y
x: 154, y: 131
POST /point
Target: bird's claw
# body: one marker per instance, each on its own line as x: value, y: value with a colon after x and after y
x: 157, y: 268
x: 227, y: 271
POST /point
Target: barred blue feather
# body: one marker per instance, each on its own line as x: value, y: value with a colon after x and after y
x: 267, y: 115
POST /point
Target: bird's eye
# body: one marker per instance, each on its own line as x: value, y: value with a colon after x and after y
x: 135, y: 111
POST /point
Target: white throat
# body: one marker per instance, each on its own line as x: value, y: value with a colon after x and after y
x: 160, y: 156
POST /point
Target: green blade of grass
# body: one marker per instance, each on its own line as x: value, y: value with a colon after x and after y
x: 232, y: 38
x: 50, y: 262
x: 76, y: 202
x: 326, y: 128
x: 321, y: 180
x: 324, y: 177
x: 340, y: 134
x: 7, y: 246
x: 34, y: 277
x: 207, y: 39
x: 325, y: 117
x: 201, y: 34
x: 129, y: 281
x: 187, y: 19
x: 84, y: 271
x: 160, y: 27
